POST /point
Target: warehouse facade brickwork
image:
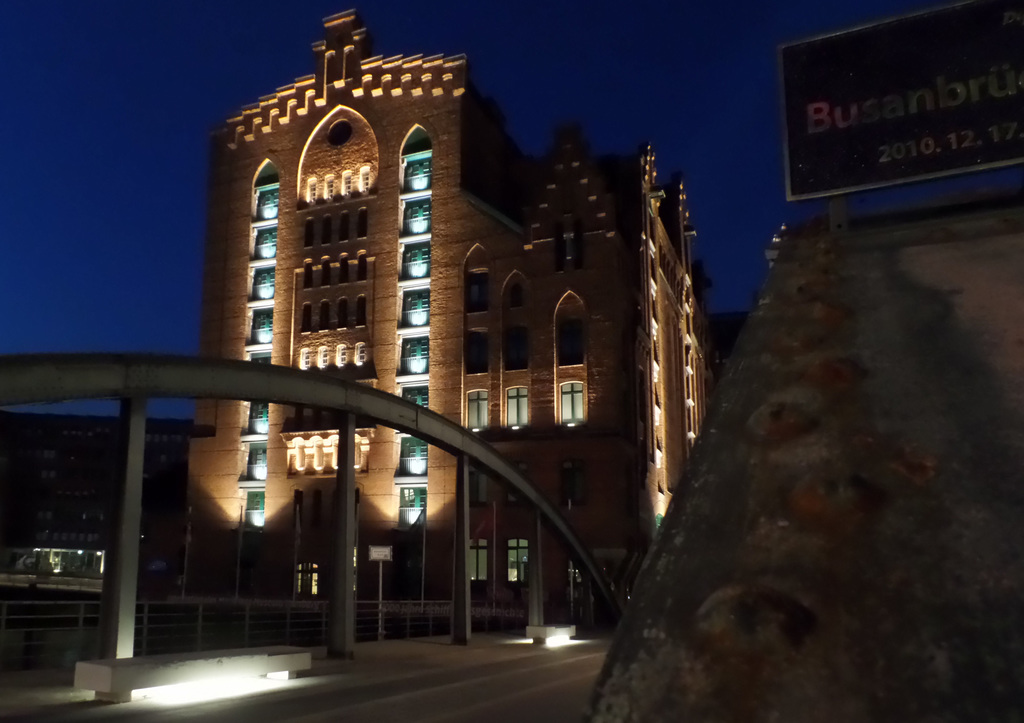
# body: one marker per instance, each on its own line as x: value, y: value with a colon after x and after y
x: 375, y: 221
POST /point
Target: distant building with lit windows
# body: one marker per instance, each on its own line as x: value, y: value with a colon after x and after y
x: 374, y: 221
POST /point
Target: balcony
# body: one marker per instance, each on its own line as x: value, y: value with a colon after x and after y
x: 256, y: 472
x: 414, y: 318
x: 409, y: 516
x: 415, y: 269
x: 262, y: 285
x: 415, y: 466
x: 414, y: 365
x: 418, y: 175
x: 416, y: 217
x: 255, y: 518
x: 266, y: 203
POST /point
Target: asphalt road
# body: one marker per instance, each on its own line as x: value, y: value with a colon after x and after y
x: 495, y: 680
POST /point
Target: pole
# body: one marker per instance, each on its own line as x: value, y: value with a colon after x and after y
x: 423, y: 556
x: 117, y: 607
x: 494, y: 555
x: 188, y: 543
x: 238, y: 548
x: 461, y: 622
x: 380, y: 599
x: 536, y: 576
x: 341, y: 621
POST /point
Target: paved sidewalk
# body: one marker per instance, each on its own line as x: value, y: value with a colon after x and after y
x: 381, y: 671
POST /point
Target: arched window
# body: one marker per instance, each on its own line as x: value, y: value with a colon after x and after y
x: 476, y: 291
x: 341, y: 358
x: 311, y: 190
x: 325, y: 315
x: 325, y: 230
x: 323, y: 357
x: 364, y: 179
x: 307, y: 317
x: 266, y: 193
x: 304, y: 357
x: 307, y: 275
x: 517, y: 407
x: 325, y: 273
x: 515, y: 295
x: 328, y: 190
x: 572, y: 403
x: 517, y: 348
x: 343, y: 269
x: 346, y: 183
x: 342, y: 313
x: 361, y: 223
x: 308, y: 233
x: 343, y: 226
x: 361, y: 268
x: 361, y: 311
x: 360, y: 354
x: 570, y: 342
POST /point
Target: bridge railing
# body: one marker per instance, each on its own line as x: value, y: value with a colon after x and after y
x: 56, y: 634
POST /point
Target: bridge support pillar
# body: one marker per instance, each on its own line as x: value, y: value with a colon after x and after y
x: 341, y: 617
x: 535, y: 571
x: 120, y: 580
x: 461, y: 620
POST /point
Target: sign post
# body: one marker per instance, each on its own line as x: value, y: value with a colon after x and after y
x: 380, y: 554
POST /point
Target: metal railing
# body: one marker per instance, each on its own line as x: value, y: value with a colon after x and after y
x: 55, y: 634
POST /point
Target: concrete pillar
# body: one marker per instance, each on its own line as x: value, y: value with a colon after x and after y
x: 121, y: 566
x: 342, y: 605
x: 461, y: 625
x: 536, y: 576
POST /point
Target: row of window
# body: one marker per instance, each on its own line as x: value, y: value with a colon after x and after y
x: 517, y: 407
x: 570, y: 347
x: 330, y: 188
x: 341, y: 321
x: 327, y: 236
x: 340, y: 356
x: 327, y: 278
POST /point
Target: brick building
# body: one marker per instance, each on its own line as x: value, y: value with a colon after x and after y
x: 57, y: 473
x: 374, y: 221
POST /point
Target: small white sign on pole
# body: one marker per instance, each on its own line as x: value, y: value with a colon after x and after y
x: 380, y: 553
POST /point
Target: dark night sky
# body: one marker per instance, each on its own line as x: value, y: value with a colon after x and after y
x: 107, y: 108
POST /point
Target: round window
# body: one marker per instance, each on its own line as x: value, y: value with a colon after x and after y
x: 339, y: 133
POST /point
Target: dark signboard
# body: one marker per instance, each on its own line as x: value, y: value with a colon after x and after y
x: 916, y: 97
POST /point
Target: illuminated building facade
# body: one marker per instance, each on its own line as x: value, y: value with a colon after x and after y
x: 374, y: 221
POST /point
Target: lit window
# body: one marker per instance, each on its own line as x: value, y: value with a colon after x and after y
x: 267, y: 202
x: 360, y: 353
x: 518, y: 551
x: 262, y: 326
x: 304, y: 358
x: 572, y: 483
x: 517, y: 407
x: 572, y: 403
x: 413, y: 460
x: 364, y: 179
x: 263, y: 284
x: 307, y: 579
x: 259, y: 418
x: 323, y: 357
x: 477, y: 561
x: 329, y: 188
x: 346, y: 183
x: 311, y: 190
x: 415, y: 355
x: 418, y: 394
x: 416, y: 308
x: 265, y: 246
x: 256, y: 464
x: 417, y: 173
x: 341, y: 356
x: 416, y: 261
x: 476, y: 410
x: 412, y: 504
x: 416, y: 217
x: 254, y: 508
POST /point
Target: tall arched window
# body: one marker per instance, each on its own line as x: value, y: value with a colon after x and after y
x: 361, y: 268
x: 361, y: 223
x: 325, y: 315
x: 325, y: 273
x: 307, y: 317
x: 342, y: 313
x: 343, y: 269
x: 515, y: 295
x: 307, y: 275
x: 343, y: 226
x: 325, y: 230
x: 361, y: 311
x: 308, y: 233
x: 342, y: 355
x: 570, y: 342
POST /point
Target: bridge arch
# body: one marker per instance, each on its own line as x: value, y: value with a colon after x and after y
x: 43, y: 378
